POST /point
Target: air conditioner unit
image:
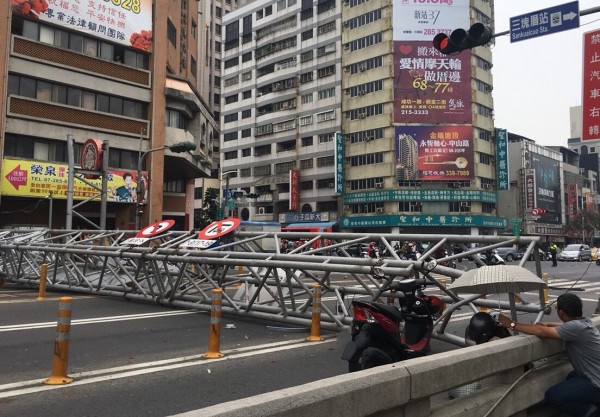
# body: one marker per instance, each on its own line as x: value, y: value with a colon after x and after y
x: 456, y: 185
x: 379, y: 209
x: 486, y: 186
x: 362, y: 92
x: 464, y: 204
x: 346, y: 207
x: 331, y: 184
x: 346, y: 46
x: 261, y: 210
x: 346, y: 23
x: 362, y: 115
x: 362, y: 69
x: 346, y: 69
x: 379, y: 185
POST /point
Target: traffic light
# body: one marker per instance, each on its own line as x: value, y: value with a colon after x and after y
x: 460, y: 39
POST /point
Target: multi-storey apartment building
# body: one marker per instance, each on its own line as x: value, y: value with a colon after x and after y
x: 121, y: 73
x: 416, y: 150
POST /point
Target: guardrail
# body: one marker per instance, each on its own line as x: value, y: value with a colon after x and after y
x: 513, y: 373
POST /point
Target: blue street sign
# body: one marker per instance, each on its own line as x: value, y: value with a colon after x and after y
x: 544, y: 22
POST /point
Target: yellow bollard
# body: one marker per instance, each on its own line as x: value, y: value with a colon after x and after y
x: 42, y: 289
x: 60, y: 358
x: 214, y: 332
x: 484, y: 309
x: 315, y: 327
x: 545, y: 278
x: 443, y: 282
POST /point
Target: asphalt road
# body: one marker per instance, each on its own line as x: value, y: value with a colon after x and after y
x: 135, y: 359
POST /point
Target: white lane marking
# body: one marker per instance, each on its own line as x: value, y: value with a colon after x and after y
x: 102, y: 375
x: 42, y: 325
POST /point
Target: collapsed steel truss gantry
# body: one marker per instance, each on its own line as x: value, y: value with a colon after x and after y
x: 257, y: 279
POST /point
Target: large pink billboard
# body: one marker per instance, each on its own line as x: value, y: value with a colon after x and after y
x: 128, y: 22
x: 430, y: 87
x: 434, y: 153
x: 590, y: 128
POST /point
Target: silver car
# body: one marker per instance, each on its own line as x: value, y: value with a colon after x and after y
x: 575, y: 252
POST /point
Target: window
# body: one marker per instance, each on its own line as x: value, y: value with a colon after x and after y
x: 325, y: 161
x: 327, y: 27
x: 410, y: 206
x: 306, y: 164
x: 306, y: 77
x: 246, y: 113
x: 176, y: 119
x: 228, y: 118
x: 307, y: 141
x: 366, y: 159
x: 459, y: 207
x: 326, y: 137
x: 262, y: 170
x: 171, y: 32
x: 307, y: 35
x: 246, y: 133
x: 326, y: 50
x: 305, y: 120
x: 246, y: 152
x: 306, y: 56
x: 323, y: 94
x: 231, y: 99
x: 307, y: 98
x: 233, y: 62
x: 325, y: 72
x: 230, y: 136
x: 246, y: 94
x: 230, y: 155
x: 247, y: 57
x: 324, y: 116
x: 262, y: 150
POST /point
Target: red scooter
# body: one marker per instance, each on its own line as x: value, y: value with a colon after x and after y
x: 383, y: 333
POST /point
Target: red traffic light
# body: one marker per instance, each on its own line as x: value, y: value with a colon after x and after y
x: 460, y: 39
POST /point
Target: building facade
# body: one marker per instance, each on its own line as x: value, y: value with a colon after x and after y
x: 416, y: 150
x: 125, y: 77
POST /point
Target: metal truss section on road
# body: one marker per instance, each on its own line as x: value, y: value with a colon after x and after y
x: 257, y: 279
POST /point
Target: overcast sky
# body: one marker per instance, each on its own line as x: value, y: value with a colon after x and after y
x: 537, y: 80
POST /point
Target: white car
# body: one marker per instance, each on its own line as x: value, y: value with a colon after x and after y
x: 575, y: 252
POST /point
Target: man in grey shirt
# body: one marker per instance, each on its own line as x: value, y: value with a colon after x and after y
x: 580, y: 392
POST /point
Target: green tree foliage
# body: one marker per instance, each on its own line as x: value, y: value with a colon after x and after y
x: 208, y: 213
x: 584, y: 224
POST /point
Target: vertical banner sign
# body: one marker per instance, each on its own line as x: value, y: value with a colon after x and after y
x: 294, y: 190
x: 572, y: 200
x: 502, y: 177
x: 428, y: 86
x: 339, y: 162
x: 590, y: 128
x: 529, y: 190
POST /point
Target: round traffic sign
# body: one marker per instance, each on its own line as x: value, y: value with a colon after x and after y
x: 535, y: 211
x: 155, y: 228
x: 219, y: 228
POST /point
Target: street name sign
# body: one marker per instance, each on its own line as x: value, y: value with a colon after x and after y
x: 544, y: 22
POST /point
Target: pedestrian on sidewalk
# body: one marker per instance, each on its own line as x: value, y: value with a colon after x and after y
x: 579, y: 394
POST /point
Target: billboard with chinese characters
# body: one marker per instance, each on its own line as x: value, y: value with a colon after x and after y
x: 442, y: 152
x: 127, y: 22
x: 429, y: 86
x: 294, y: 204
x: 420, y: 220
x: 573, y: 197
x: 40, y: 179
x: 502, y: 176
x: 339, y: 162
x: 590, y: 128
x: 545, y: 191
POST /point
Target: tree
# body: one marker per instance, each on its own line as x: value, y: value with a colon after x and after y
x: 208, y: 213
x: 585, y: 223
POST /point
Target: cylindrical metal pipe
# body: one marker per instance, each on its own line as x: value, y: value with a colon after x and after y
x: 60, y: 357
x: 214, y: 333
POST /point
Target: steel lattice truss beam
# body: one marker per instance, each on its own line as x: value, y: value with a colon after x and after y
x: 257, y: 283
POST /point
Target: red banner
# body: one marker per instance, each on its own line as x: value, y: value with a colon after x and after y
x: 590, y: 129
x: 572, y: 200
x: 294, y: 189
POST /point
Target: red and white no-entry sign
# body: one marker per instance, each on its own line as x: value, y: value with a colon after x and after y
x: 155, y: 228
x: 219, y: 228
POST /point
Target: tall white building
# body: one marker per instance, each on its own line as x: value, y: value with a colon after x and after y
x: 295, y: 73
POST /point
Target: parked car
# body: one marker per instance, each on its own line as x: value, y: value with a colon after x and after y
x: 510, y: 254
x: 356, y: 250
x: 543, y: 255
x: 575, y: 252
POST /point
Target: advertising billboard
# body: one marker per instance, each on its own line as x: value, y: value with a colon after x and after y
x: 434, y: 153
x: 590, y: 128
x: 40, y: 179
x: 127, y: 22
x: 430, y: 86
x: 546, y: 187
